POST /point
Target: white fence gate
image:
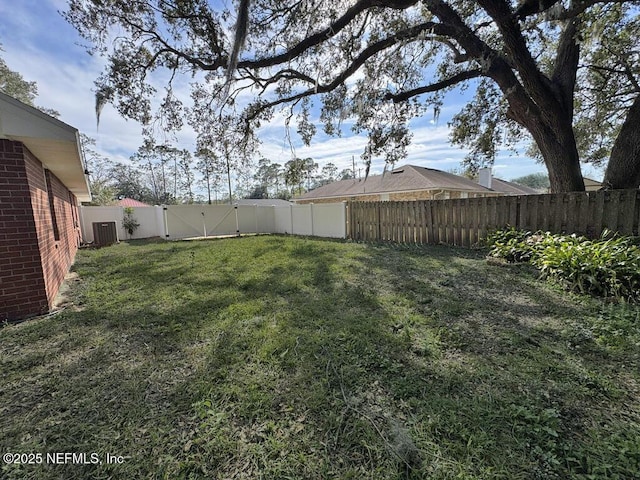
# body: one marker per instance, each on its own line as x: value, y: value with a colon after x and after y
x: 174, y: 222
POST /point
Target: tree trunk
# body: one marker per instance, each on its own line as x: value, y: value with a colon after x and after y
x: 563, y: 164
x: 208, y: 187
x: 561, y: 158
x: 229, y: 181
x: 623, y: 170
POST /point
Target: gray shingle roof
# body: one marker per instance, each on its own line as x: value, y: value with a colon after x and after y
x: 512, y: 188
x: 402, y: 179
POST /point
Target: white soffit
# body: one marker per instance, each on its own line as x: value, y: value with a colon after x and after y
x: 54, y: 143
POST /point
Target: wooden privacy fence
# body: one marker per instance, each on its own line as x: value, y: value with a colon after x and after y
x: 466, y: 221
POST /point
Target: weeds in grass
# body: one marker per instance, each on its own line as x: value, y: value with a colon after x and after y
x: 284, y: 357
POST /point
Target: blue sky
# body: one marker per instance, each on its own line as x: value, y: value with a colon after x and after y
x: 39, y: 44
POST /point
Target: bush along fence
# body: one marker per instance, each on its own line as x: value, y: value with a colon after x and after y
x: 465, y: 222
x: 605, y: 267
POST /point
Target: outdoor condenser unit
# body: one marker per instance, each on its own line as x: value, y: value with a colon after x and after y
x: 104, y: 233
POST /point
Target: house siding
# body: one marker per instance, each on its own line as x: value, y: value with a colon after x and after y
x: 33, y: 262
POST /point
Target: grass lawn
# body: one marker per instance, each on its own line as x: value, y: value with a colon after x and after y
x: 275, y: 357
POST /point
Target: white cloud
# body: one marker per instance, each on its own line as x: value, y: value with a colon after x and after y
x: 42, y: 46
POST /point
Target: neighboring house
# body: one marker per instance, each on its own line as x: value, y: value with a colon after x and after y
x: 591, y: 185
x: 486, y: 179
x: 512, y: 188
x: 403, y: 183
x: 130, y: 202
x: 42, y: 179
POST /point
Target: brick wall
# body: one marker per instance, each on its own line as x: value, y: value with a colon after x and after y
x: 22, y: 285
x: 408, y: 196
x: 358, y: 198
x: 34, y: 257
x: 58, y: 246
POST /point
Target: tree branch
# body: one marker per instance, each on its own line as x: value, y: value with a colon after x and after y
x: 434, y: 87
x: 536, y: 84
x: 168, y: 48
x: 360, y: 60
x: 492, y: 63
x: 566, y: 67
x: 286, y: 74
x: 325, y: 34
x: 534, y: 7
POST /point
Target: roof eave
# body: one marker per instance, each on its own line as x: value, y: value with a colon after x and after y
x: 55, y: 143
x: 434, y: 189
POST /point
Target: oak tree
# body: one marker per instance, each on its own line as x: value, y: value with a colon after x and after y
x: 545, y: 70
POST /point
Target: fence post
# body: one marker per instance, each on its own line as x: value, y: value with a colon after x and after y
x: 237, y: 222
x: 311, y: 215
x: 255, y: 214
x: 379, y: 229
x: 345, y: 219
x: 166, y: 222
x: 291, y: 217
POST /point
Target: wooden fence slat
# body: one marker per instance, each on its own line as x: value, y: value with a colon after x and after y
x: 421, y: 222
x: 610, y: 213
x: 437, y: 223
x: 544, y: 203
x: 514, y: 207
x: 491, y: 204
x: 414, y: 222
x: 467, y: 221
x: 398, y: 222
x: 571, y: 209
x: 636, y: 216
x: 446, y: 214
x: 598, y: 215
x: 474, y: 211
x: 430, y: 221
x: 406, y: 238
x: 555, y: 205
x: 627, y: 212
x: 484, y: 217
x: 387, y: 221
x: 583, y: 214
x: 464, y: 226
x: 405, y: 222
x: 393, y: 215
x: 459, y: 225
x: 454, y: 221
x: 525, y: 213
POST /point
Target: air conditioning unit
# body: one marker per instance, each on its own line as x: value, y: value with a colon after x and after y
x: 104, y: 233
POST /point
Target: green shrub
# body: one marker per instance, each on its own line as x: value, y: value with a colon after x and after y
x: 129, y: 223
x: 510, y: 244
x: 524, y: 246
x: 608, y: 267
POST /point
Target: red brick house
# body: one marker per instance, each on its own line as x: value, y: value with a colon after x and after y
x: 42, y: 179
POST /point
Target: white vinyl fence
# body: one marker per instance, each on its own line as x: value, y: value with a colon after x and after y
x: 174, y: 222
x: 150, y: 219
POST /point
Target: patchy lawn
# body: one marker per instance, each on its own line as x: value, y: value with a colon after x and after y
x: 277, y: 357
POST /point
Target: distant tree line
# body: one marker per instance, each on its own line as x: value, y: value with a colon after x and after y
x: 162, y: 174
x: 165, y: 174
